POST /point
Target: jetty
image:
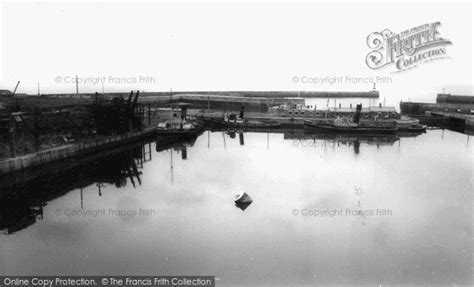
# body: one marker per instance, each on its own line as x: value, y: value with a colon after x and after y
x: 449, y: 110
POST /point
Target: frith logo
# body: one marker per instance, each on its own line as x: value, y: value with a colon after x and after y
x: 407, y: 49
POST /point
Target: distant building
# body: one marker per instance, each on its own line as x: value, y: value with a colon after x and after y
x: 5, y: 93
x: 367, y: 112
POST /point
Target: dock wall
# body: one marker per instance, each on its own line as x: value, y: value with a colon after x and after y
x: 71, y: 150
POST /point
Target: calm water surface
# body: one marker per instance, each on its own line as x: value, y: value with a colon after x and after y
x: 303, y: 227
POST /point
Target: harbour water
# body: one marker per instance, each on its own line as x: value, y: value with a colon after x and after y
x: 325, y: 210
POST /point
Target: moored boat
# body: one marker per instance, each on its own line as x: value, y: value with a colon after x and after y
x: 231, y: 121
x: 182, y: 128
x: 417, y: 128
x: 344, y: 125
x: 246, y: 124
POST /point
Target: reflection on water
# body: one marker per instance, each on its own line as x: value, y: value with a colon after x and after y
x: 355, y: 141
x: 22, y: 201
x: 326, y: 209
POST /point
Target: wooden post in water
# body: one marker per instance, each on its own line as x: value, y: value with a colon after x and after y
x: 77, y: 86
x: 208, y: 140
x: 149, y: 114
x: 149, y: 149
x: 171, y: 164
x: 241, y: 138
x: 184, y: 153
x: 223, y: 136
x: 82, y: 201
x: 12, y: 143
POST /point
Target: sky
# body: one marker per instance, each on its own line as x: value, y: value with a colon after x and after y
x: 119, y: 46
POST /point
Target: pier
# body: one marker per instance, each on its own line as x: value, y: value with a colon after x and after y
x: 464, y: 119
x: 453, y: 110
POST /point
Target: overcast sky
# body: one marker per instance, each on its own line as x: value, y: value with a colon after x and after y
x: 212, y: 46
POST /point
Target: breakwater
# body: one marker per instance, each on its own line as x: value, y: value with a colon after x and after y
x: 200, y: 100
x: 250, y: 94
x: 454, y: 99
x: 251, y: 100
